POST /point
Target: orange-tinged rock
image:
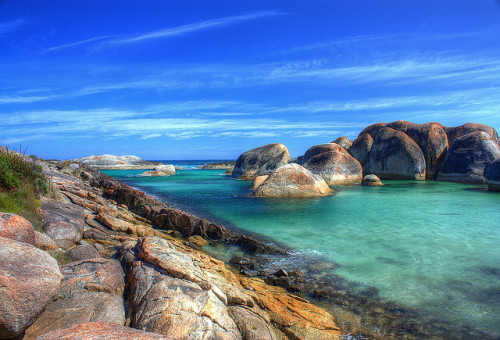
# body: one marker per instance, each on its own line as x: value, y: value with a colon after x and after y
x: 17, y: 228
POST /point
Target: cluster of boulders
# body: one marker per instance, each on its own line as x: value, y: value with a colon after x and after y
x: 113, y: 162
x: 163, y: 170
x: 397, y: 150
x: 120, y: 278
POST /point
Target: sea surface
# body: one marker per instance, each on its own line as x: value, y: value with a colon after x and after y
x: 431, y: 246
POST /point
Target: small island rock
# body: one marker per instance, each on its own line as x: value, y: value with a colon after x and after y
x: 292, y: 180
x: 492, y: 175
x: 161, y: 171
x: 467, y: 158
x: 371, y: 181
x: 110, y: 162
x: 261, y: 161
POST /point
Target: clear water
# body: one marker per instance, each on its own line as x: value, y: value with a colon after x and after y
x: 433, y: 246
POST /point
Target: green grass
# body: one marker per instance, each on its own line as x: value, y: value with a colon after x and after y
x: 22, y: 183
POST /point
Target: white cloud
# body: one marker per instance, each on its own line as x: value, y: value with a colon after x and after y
x: 7, y: 27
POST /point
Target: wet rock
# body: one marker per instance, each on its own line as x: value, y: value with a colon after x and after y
x: 62, y: 221
x: 260, y: 161
x: 492, y: 175
x: 394, y: 155
x: 161, y: 171
x: 44, y: 242
x: 16, y: 228
x: 361, y: 147
x: 198, y: 241
x: 244, y: 262
x: 292, y: 180
x: 91, y: 291
x: 82, y: 252
x: 343, y: 142
x: 467, y: 158
x: 101, y: 330
x: 280, y: 273
x: 29, y: 279
x: 336, y: 166
x: 371, y: 181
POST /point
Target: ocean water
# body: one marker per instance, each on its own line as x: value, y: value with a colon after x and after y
x: 432, y: 246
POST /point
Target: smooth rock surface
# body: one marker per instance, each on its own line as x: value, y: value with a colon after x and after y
x: 361, y: 147
x: 316, y: 150
x: 91, y: 291
x: 343, y: 142
x: 371, y: 181
x: 101, y: 331
x: 83, y: 252
x: 292, y: 180
x: 336, y: 166
x: 116, y: 162
x: 62, y: 221
x: 394, y: 155
x: 16, y: 228
x: 258, y: 181
x: 492, y: 175
x: 260, y: 161
x: 467, y: 158
x: 29, y: 279
x: 462, y: 130
x: 161, y: 171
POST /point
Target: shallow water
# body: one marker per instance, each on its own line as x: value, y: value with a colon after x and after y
x: 433, y: 246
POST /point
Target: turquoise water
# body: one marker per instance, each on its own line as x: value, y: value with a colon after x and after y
x: 433, y: 246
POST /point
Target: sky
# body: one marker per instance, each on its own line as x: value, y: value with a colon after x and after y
x: 186, y: 79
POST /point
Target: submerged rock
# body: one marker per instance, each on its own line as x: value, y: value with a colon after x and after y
x: 17, y: 228
x: 467, y: 158
x: 292, y: 180
x: 394, y: 155
x: 335, y: 165
x: 492, y: 175
x: 371, y: 181
x: 260, y: 161
x: 29, y: 279
x: 161, y: 171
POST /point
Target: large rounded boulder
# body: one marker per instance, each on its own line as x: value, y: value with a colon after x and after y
x: 343, y: 142
x: 467, y: 158
x: 361, y: 147
x: 17, y: 228
x: 336, y: 166
x: 261, y: 161
x: 316, y: 150
x: 462, y: 130
x: 29, y: 279
x: 394, y: 155
x: 292, y: 180
x: 492, y: 175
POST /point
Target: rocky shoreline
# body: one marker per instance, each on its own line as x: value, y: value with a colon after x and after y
x: 131, y: 270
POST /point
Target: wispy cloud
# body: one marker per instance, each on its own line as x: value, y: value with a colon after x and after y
x: 113, y: 40
x: 7, y: 27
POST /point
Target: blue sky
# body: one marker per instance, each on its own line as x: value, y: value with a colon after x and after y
x: 211, y: 79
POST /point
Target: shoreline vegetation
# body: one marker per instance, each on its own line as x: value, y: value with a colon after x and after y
x: 130, y: 260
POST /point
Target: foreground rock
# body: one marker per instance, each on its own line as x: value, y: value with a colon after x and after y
x: 334, y: 164
x: 101, y: 330
x: 492, y: 175
x: 467, y: 158
x: 394, y: 155
x: 292, y: 180
x: 161, y: 171
x: 91, y: 291
x: 62, y: 221
x: 17, y: 228
x: 371, y: 181
x: 112, y: 162
x: 261, y: 161
x: 29, y: 279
